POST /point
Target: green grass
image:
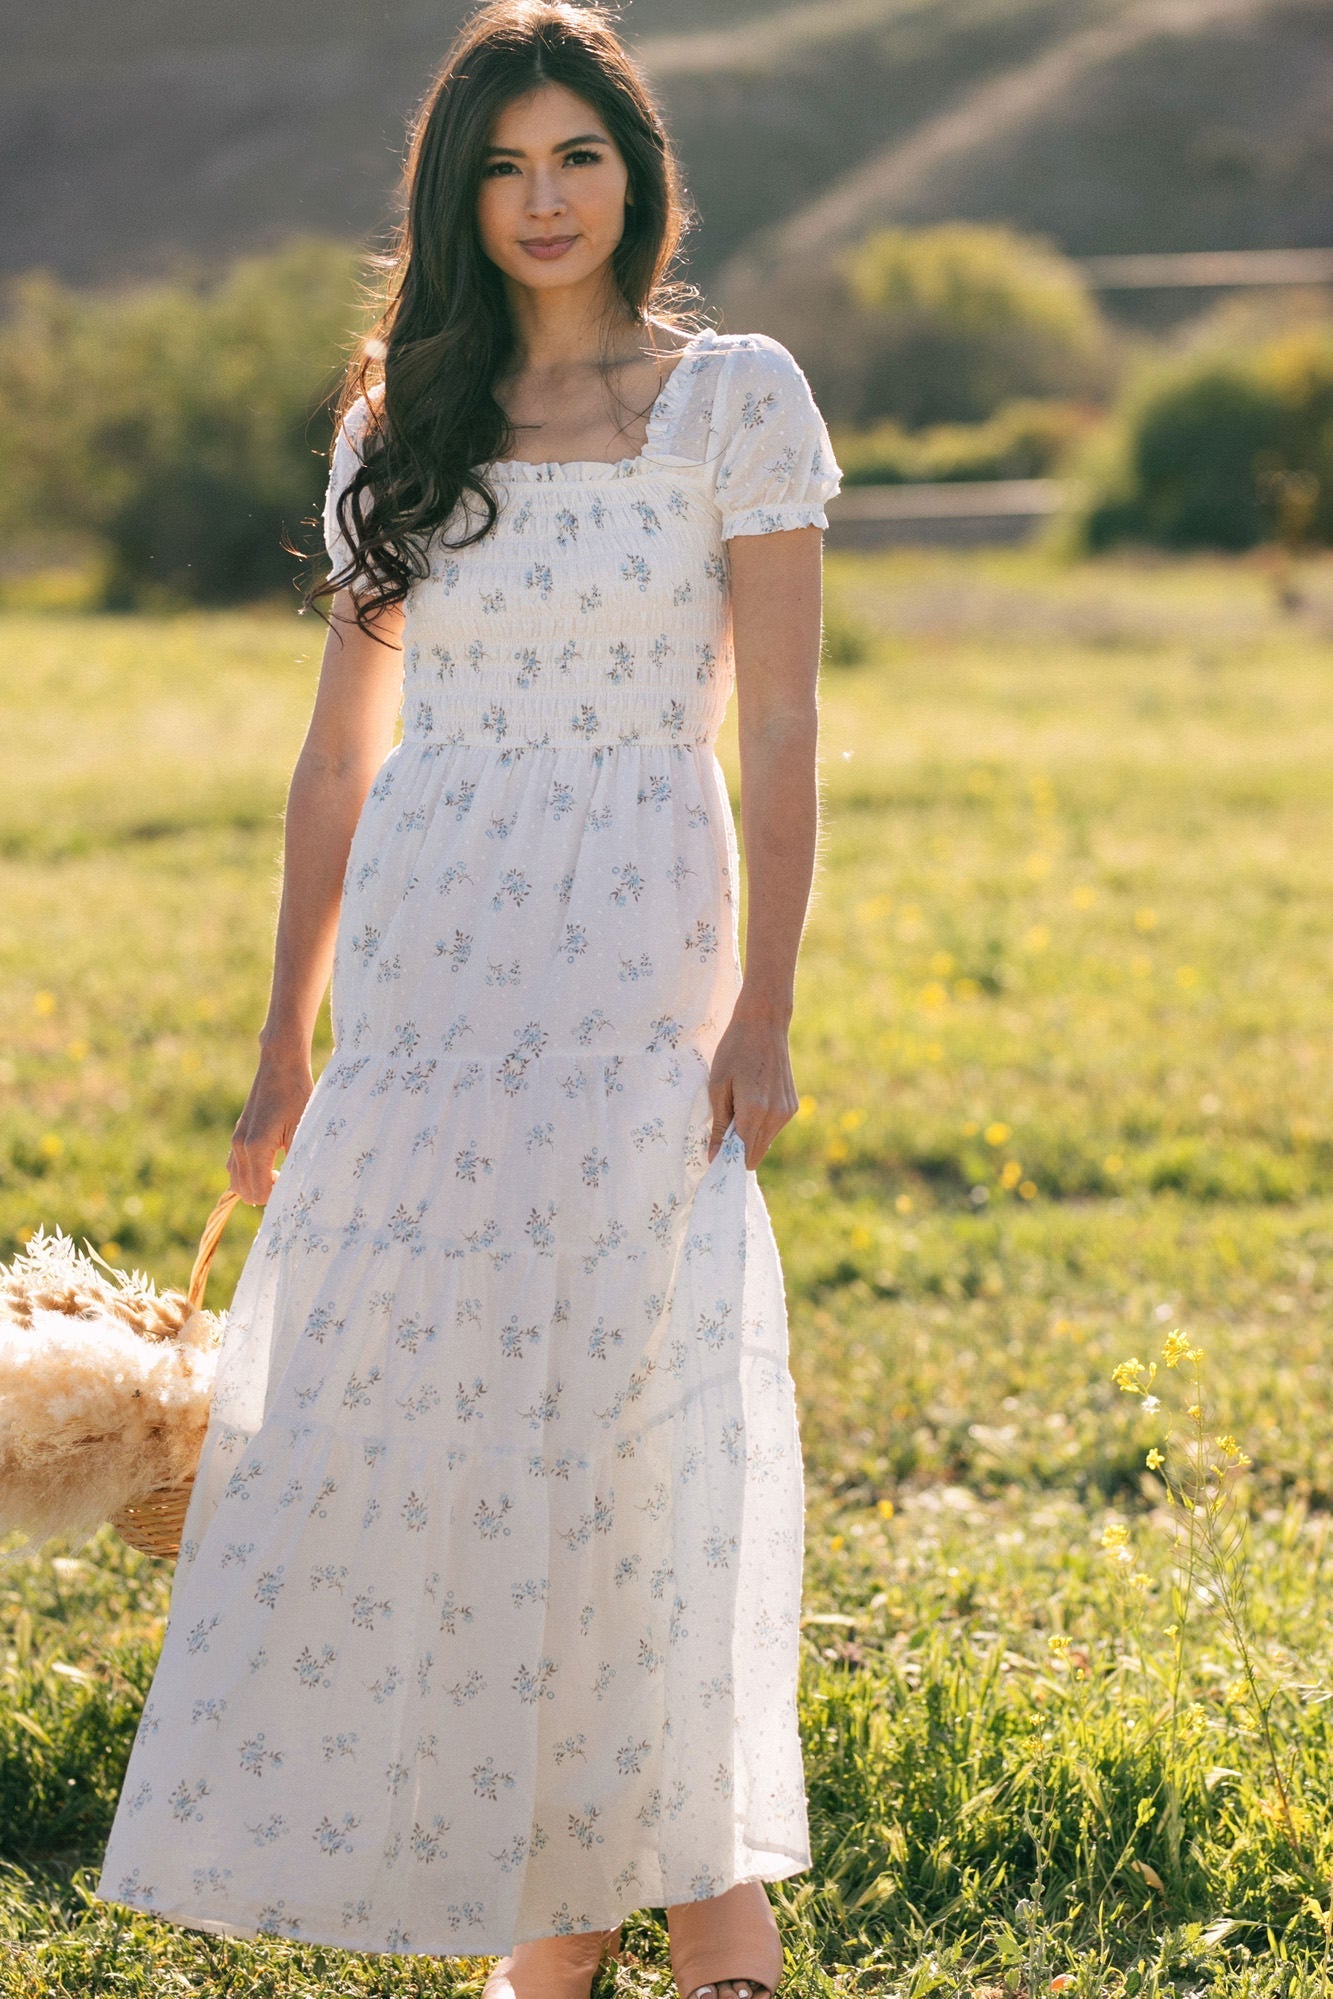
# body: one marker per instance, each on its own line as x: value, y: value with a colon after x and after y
x: 1062, y: 1046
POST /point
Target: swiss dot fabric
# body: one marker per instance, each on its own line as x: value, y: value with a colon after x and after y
x: 485, y: 1623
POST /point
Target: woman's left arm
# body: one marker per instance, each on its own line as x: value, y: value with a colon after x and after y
x: 776, y: 611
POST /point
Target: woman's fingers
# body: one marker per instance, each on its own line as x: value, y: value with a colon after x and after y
x: 273, y: 1111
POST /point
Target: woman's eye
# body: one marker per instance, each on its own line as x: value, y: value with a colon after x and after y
x: 579, y: 153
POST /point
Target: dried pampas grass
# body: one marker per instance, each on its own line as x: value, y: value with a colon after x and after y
x: 104, y: 1388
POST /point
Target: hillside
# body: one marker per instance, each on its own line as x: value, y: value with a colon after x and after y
x: 1170, y: 124
x: 130, y: 138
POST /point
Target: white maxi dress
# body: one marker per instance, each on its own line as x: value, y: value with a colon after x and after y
x: 485, y: 1623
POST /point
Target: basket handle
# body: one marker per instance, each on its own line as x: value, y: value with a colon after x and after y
x: 208, y: 1243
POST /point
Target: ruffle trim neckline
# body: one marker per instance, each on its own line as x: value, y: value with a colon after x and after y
x: 552, y: 470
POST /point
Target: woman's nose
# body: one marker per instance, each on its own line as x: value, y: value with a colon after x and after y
x: 545, y: 197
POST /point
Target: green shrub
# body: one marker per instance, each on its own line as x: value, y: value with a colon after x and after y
x: 1221, y: 451
x: 1024, y: 440
x: 175, y: 422
x: 964, y: 318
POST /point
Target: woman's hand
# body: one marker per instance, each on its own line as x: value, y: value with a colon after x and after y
x: 278, y: 1096
x: 751, y: 1080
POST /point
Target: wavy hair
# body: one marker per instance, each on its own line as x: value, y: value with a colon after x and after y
x: 445, y: 334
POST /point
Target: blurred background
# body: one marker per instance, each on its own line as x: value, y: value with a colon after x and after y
x: 1061, y: 275
x: 1079, y: 240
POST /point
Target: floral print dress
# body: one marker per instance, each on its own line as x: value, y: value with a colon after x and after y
x: 485, y: 1622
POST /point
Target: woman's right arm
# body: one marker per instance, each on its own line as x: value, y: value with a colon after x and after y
x: 350, y: 734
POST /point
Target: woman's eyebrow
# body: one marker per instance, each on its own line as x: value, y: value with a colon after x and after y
x: 516, y: 152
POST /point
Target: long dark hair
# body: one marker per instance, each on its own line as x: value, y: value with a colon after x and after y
x: 445, y: 334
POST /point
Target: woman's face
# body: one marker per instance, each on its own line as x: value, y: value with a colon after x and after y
x: 551, y: 170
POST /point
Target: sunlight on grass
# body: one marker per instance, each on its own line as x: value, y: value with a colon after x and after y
x: 1061, y: 1043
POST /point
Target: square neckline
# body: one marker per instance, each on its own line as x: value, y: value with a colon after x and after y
x: 548, y: 468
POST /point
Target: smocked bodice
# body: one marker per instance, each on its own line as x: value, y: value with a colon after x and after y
x: 596, y: 612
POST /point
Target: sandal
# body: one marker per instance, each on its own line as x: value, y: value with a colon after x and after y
x: 563, y: 1967
x: 736, y: 1926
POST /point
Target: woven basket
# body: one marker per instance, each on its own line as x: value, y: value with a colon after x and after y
x: 153, y: 1524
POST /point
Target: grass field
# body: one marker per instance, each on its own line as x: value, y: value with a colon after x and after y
x: 1063, y: 1044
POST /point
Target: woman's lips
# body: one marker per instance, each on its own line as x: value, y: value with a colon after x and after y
x: 546, y: 251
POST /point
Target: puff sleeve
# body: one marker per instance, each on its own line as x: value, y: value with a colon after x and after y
x: 775, y: 463
x: 344, y: 460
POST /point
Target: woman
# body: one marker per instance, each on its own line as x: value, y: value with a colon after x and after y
x: 484, y: 1630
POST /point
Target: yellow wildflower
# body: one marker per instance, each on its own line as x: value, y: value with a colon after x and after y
x: 1133, y: 1377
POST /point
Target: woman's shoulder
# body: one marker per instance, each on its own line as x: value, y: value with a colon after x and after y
x: 355, y: 421
x: 751, y: 375
x: 728, y: 382
x: 758, y: 343
x: 759, y: 354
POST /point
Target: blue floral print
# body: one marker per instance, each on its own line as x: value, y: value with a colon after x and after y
x: 485, y: 1621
